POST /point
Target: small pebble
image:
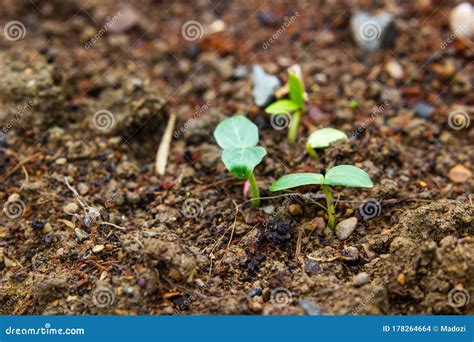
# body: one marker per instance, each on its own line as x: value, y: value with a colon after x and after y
x: 423, y: 110
x: 47, y: 228
x: 361, y: 279
x: 37, y: 225
x: 373, y: 32
x: 61, y: 161
x: 462, y: 20
x: 98, y: 248
x: 394, y: 69
x: 295, y: 209
x: 312, y: 267
x: 264, y: 85
x: 459, y: 174
x: 269, y: 209
x: 255, y: 292
x: 71, y: 208
x: 240, y: 72
x: 81, y: 235
x: 402, y: 279
x: 310, y: 308
x: 83, y: 188
x: 345, y: 228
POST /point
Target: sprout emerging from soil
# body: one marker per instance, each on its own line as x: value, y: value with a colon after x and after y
x: 344, y: 175
x: 322, y: 138
x: 295, y: 105
x: 238, y: 137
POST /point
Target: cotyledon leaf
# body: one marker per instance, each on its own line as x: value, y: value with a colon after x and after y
x: 297, y: 179
x: 241, y: 161
x: 325, y: 136
x: 347, y: 175
x: 236, y: 132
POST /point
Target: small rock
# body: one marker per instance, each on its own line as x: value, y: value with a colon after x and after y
x: 269, y: 209
x: 394, y: 69
x: 459, y: 174
x: 461, y: 20
x: 61, y: 161
x: 71, y: 208
x: 240, y: 72
x: 402, y: 279
x: 255, y: 292
x: 345, y: 228
x: 423, y: 110
x: 312, y: 267
x: 345, y: 114
x: 320, y: 78
x: 309, y: 307
x: 98, y: 248
x: 124, y: 20
x: 132, y: 197
x: 264, y: 85
x: 361, y: 279
x: 37, y: 225
x: 372, y: 33
x: 81, y: 235
x: 295, y: 209
x: 47, y: 228
x: 83, y: 188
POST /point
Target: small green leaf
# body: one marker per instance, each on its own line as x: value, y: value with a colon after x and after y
x: 297, y: 179
x: 282, y: 107
x: 323, y: 137
x: 296, y: 90
x: 241, y: 161
x: 236, y: 132
x: 348, y: 175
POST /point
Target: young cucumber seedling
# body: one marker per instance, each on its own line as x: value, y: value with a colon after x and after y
x: 345, y: 175
x: 322, y: 138
x: 293, y: 105
x: 238, y: 137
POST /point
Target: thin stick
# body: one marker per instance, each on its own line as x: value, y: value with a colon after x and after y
x: 164, y: 148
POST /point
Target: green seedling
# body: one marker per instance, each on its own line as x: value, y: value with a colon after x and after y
x: 238, y: 137
x: 295, y: 105
x: 323, y: 138
x: 344, y: 175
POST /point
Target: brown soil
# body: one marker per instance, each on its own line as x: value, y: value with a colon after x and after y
x: 188, y: 242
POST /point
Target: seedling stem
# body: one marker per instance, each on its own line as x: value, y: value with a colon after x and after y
x: 330, y: 205
x: 254, y: 192
x: 293, y: 130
